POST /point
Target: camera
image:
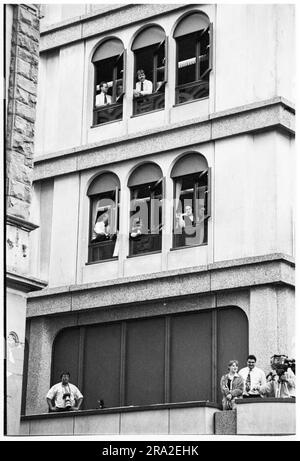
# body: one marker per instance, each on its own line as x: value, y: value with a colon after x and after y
x: 67, y: 399
x: 281, y: 363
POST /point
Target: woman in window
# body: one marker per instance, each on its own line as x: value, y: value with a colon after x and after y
x: 232, y: 385
x: 102, y: 228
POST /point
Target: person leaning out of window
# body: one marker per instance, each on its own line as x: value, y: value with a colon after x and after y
x: 102, y: 228
x: 64, y: 396
x: 103, y: 99
x: 232, y: 386
x: 143, y: 86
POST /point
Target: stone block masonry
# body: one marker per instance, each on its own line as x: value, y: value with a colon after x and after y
x: 21, y: 108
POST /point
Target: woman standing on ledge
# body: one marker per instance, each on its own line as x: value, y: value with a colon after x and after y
x: 232, y: 386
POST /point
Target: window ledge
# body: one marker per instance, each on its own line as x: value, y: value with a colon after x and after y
x: 188, y: 246
x: 115, y: 258
x: 190, y: 102
x: 144, y: 254
x: 107, y: 123
x: 145, y: 113
x: 125, y: 409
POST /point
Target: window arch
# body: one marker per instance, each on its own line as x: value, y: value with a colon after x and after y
x: 146, y: 184
x: 158, y: 360
x: 150, y: 56
x: 193, y: 35
x: 191, y: 179
x: 109, y: 64
x: 104, y: 194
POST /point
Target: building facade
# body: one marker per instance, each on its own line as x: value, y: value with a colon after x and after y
x: 165, y: 210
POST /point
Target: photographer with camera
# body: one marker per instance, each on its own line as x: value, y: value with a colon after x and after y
x: 66, y: 396
x: 281, y: 380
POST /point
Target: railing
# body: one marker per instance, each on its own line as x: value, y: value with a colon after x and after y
x: 191, y: 91
x: 145, y: 243
x: 109, y: 113
x: 148, y: 103
x: 101, y: 251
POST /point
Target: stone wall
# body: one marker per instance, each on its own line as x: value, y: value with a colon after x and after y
x: 21, y: 108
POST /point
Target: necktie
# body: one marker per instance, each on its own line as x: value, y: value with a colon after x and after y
x: 248, y: 382
x: 142, y: 86
x: 105, y: 99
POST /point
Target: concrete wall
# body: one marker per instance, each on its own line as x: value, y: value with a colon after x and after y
x: 171, y: 421
x: 252, y: 212
x: 253, y: 62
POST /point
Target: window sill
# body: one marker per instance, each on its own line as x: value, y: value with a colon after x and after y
x: 190, y: 102
x: 144, y: 254
x: 107, y: 123
x: 103, y: 261
x: 145, y: 113
x: 188, y: 246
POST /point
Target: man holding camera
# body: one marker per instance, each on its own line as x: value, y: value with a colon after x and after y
x: 66, y: 396
x: 281, y: 380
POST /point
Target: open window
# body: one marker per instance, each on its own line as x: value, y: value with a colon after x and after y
x: 109, y: 65
x: 191, y: 178
x: 193, y: 37
x: 146, y: 185
x: 104, y: 194
x: 150, y: 56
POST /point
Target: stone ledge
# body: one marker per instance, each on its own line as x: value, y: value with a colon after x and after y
x: 125, y: 409
x: 199, y: 280
x: 101, y: 22
x: 24, y: 283
x: 275, y: 113
x: 21, y: 223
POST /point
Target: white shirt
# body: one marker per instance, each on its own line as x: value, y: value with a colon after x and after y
x: 58, y: 390
x: 147, y: 87
x: 257, y: 378
x: 100, y: 99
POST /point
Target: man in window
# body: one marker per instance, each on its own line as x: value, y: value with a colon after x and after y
x: 187, y: 222
x: 103, y: 99
x: 66, y: 396
x: 143, y: 86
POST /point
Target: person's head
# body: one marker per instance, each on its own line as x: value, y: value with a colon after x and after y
x: 104, y: 87
x: 251, y: 361
x: 233, y: 366
x: 65, y: 377
x: 188, y: 210
x: 141, y: 75
x: 104, y: 218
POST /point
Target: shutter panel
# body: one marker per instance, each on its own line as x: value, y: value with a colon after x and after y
x: 210, y: 54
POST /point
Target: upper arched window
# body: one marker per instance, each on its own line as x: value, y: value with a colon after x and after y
x: 150, y: 69
x: 146, y: 185
x: 193, y: 35
x: 191, y: 178
x: 104, y: 194
x: 109, y: 65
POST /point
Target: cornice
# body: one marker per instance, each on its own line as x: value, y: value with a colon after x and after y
x: 21, y: 223
x: 274, y: 269
x: 24, y: 283
x: 273, y: 114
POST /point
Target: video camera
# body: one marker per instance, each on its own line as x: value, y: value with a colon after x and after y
x: 281, y: 363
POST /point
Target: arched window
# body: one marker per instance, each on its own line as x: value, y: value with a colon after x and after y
x: 146, y: 185
x: 150, y: 57
x: 170, y: 358
x: 104, y: 193
x: 193, y: 35
x: 109, y: 65
x: 191, y: 177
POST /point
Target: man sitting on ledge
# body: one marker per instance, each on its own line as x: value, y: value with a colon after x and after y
x: 66, y: 396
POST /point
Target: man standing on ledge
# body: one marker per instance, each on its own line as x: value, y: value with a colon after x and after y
x: 66, y: 396
x: 253, y: 378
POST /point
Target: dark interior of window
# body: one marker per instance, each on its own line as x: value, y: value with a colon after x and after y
x: 190, y: 209
x: 193, y: 56
x: 173, y: 358
x: 145, y: 218
x: 109, y: 70
x: 152, y: 60
x: 104, y: 226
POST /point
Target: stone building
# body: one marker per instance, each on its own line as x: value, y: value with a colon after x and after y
x: 165, y: 213
x: 21, y: 64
